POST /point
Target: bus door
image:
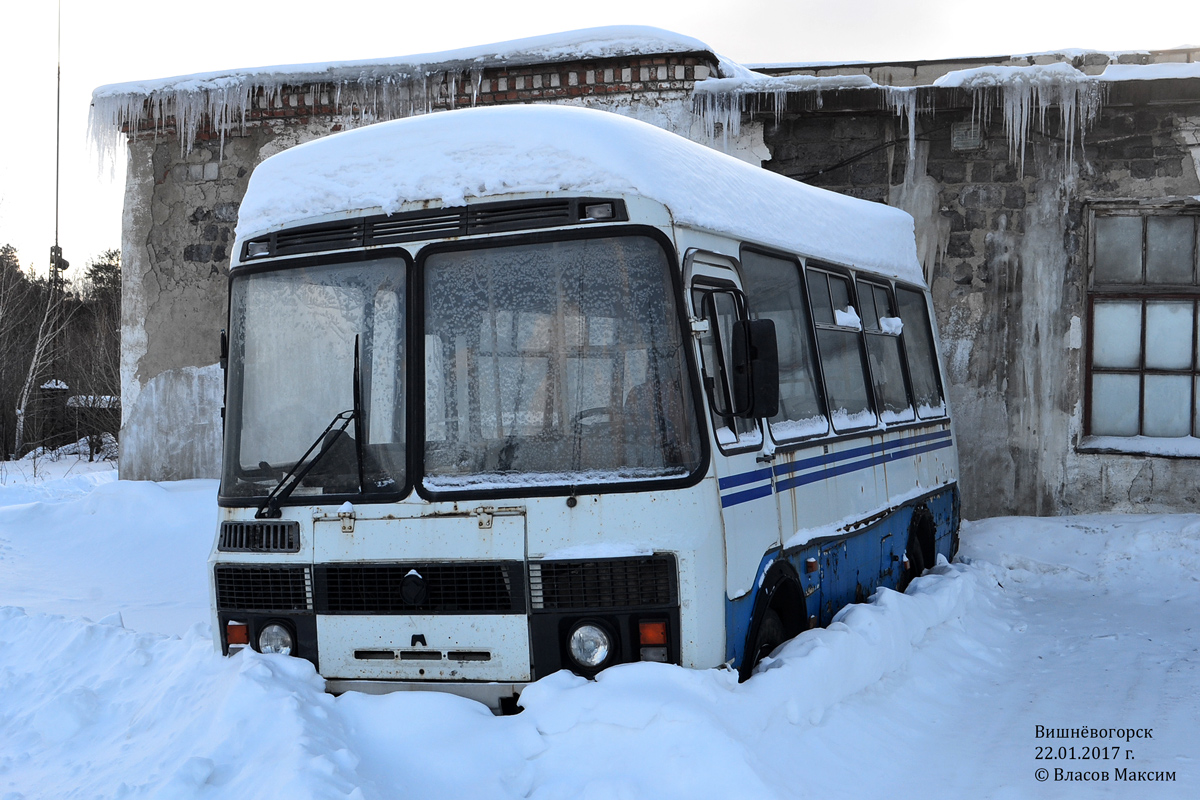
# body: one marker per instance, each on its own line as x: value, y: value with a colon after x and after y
x: 744, y: 476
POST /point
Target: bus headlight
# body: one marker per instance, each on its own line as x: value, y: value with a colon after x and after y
x: 275, y: 638
x: 589, y: 645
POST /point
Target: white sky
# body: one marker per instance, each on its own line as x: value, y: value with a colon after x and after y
x: 138, y: 39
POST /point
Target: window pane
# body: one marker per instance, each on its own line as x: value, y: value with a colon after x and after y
x: 1169, y: 334
x: 1118, y: 257
x: 772, y: 288
x: 845, y: 388
x: 922, y: 360
x: 560, y: 363
x: 839, y: 290
x: 884, y: 352
x: 730, y: 432
x: 1196, y: 402
x: 866, y: 298
x: 1169, y: 249
x: 291, y: 325
x: 1168, y: 405
x: 1117, y: 334
x: 1115, y: 405
x: 818, y: 295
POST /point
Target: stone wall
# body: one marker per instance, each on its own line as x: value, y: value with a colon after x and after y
x: 1005, y: 247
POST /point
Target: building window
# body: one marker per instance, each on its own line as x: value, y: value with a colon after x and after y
x: 1144, y: 373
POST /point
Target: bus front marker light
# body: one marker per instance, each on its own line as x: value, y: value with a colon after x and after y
x: 811, y: 565
x: 237, y: 634
x: 589, y: 645
x: 652, y: 636
x: 275, y: 638
x: 598, y: 211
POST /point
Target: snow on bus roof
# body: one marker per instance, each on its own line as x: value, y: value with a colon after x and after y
x: 451, y: 156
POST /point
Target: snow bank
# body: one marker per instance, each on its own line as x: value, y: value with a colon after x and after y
x: 1145, y: 554
x: 100, y: 710
x: 90, y: 545
x: 473, y: 153
x: 1086, y: 620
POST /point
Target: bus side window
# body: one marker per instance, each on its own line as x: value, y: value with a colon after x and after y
x: 922, y: 357
x: 720, y: 308
x: 773, y: 291
x: 882, y: 329
x: 840, y: 344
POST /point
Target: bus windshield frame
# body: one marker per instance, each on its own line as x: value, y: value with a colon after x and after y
x: 606, y: 425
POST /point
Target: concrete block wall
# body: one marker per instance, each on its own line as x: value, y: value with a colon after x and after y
x: 1005, y: 249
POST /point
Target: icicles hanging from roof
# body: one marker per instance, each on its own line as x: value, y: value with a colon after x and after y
x: 222, y: 103
x: 1028, y: 93
x: 721, y: 102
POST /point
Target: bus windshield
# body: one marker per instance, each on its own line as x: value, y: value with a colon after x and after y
x: 555, y: 363
x: 291, y: 371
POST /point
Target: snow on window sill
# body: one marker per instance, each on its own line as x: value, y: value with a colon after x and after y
x: 1172, y: 447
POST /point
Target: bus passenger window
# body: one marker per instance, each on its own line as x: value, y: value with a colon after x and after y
x: 720, y: 308
x: 882, y: 329
x: 839, y: 342
x: 773, y: 292
x: 922, y: 357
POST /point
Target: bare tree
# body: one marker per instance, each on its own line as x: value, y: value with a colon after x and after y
x: 52, y: 325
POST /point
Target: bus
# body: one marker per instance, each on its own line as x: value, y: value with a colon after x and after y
x: 512, y: 390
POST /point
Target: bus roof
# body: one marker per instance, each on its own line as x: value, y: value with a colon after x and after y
x: 448, y: 157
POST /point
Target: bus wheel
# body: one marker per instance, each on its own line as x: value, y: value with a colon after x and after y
x: 770, y: 634
x: 916, y: 562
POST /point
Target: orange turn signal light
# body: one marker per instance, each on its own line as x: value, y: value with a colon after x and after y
x: 237, y: 633
x: 652, y: 633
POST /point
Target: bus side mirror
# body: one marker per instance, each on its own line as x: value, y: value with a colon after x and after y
x: 755, y: 369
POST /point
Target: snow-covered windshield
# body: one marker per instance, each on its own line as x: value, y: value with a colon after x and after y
x: 291, y: 371
x: 555, y: 363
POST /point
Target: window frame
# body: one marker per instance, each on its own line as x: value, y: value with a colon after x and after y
x: 814, y: 352
x: 416, y: 400
x: 1143, y: 293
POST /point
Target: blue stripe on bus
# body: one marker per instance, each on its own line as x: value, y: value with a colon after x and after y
x: 855, y: 466
x: 741, y: 479
x: 879, y: 454
x: 736, y: 498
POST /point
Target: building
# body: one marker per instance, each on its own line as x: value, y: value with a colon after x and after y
x: 1055, y: 200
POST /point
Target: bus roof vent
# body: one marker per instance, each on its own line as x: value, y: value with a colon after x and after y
x: 318, y: 238
x: 260, y: 536
x: 515, y: 216
x: 417, y: 225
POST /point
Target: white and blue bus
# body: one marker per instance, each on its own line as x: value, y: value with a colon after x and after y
x: 522, y: 389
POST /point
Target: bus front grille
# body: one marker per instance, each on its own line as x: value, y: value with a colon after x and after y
x: 275, y: 536
x: 472, y: 588
x: 241, y: 588
x: 603, y: 583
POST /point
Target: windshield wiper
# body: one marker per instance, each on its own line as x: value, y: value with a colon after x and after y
x: 270, y: 505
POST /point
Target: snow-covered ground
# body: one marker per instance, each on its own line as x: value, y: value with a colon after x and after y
x: 1084, y: 622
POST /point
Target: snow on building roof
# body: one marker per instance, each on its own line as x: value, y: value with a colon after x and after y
x: 384, y: 88
x: 588, y: 43
x: 455, y: 156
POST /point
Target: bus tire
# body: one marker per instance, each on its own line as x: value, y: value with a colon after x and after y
x: 767, y: 636
x: 920, y: 547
